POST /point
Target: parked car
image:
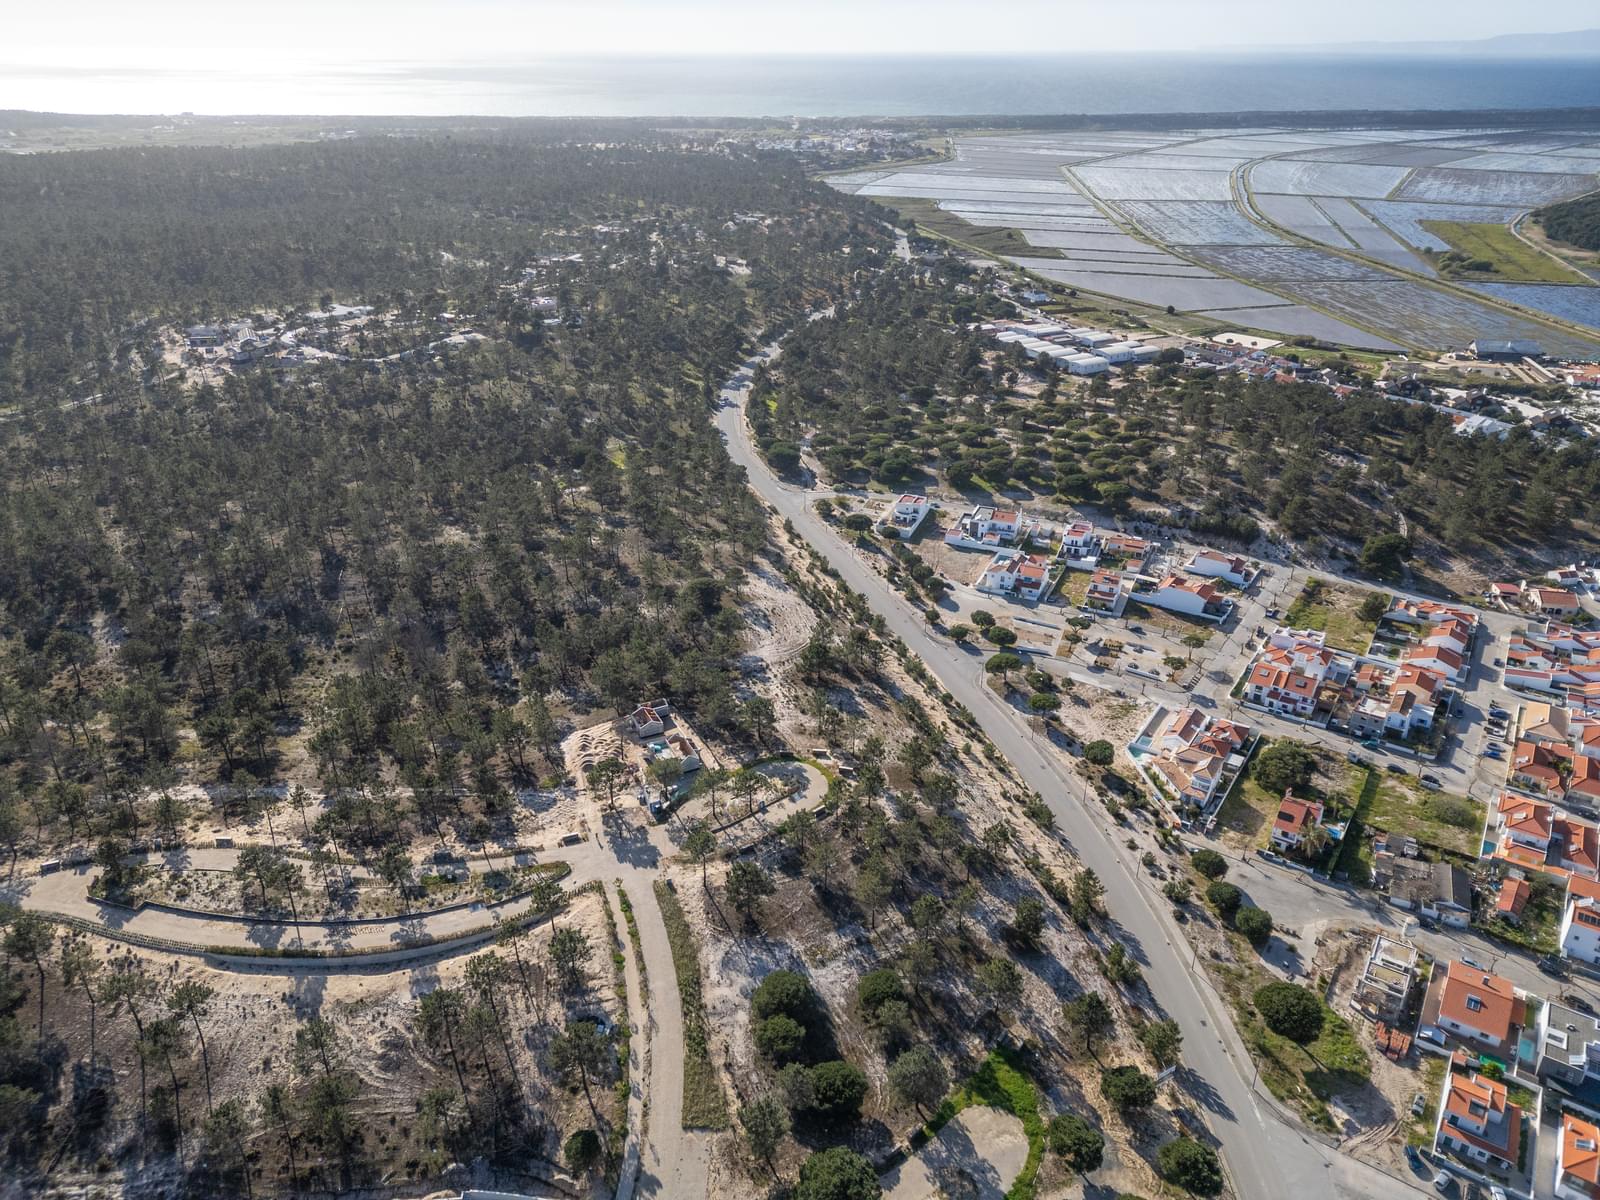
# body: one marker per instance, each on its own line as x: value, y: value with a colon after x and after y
x: 1412, y: 1157
x: 1551, y: 965
x: 1443, y: 1181
x: 1577, y: 1001
x: 1472, y: 962
x: 1395, y: 767
x: 1496, y: 1192
x: 1372, y: 744
x: 1272, y: 612
x: 1431, y: 784
x: 1492, y: 752
x: 1419, y: 1102
x: 1352, y: 756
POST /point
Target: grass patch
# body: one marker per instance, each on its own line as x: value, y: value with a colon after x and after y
x: 1501, y: 253
x: 704, y: 1106
x: 1302, y: 1077
x: 1401, y: 805
x: 1334, y: 609
x: 931, y: 219
x: 1356, y: 857
x: 1421, y: 1131
x: 1002, y: 1082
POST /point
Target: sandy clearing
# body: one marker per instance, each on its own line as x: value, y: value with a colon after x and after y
x: 977, y: 1156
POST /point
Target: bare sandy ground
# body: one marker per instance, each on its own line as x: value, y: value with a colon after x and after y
x: 975, y: 1157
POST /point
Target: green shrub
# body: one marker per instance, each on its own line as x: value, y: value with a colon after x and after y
x: 1225, y: 898
x: 1191, y: 1165
x: 1290, y: 1011
x: 1209, y: 863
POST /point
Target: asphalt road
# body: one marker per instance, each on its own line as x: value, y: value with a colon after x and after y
x: 1266, y: 1158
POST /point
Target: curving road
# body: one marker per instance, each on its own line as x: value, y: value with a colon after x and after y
x: 1267, y: 1158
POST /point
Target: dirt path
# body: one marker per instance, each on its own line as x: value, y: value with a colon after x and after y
x: 978, y: 1155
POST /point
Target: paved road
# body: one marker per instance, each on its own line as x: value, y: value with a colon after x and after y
x: 1266, y: 1158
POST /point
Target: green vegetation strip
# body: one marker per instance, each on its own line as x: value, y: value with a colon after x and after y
x: 704, y: 1106
x: 931, y: 219
x: 617, y: 1134
x: 1002, y: 1082
x: 1491, y: 252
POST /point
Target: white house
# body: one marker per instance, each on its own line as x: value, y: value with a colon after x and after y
x: 1580, y: 929
x: 1215, y: 565
x: 1012, y: 573
x: 986, y: 525
x: 906, y: 514
x: 1181, y: 594
x: 1477, y: 1121
x: 1106, y: 593
x: 649, y: 719
x: 1078, y: 540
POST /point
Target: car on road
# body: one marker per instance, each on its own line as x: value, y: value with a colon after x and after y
x: 1492, y: 752
x: 1577, y: 1001
x: 1472, y: 962
x: 1551, y: 965
x: 1397, y: 768
x: 1430, y: 783
x: 1372, y: 744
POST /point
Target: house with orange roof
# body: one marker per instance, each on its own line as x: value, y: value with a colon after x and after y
x: 1533, y: 768
x: 1281, y: 689
x: 1180, y: 729
x: 1478, y: 1122
x: 1544, y: 722
x: 1578, y: 1159
x: 1191, y: 597
x: 1583, y: 783
x: 1549, y: 601
x: 1526, y: 822
x: 1443, y: 660
x: 1475, y: 1006
x: 1296, y: 819
x: 985, y: 527
x: 1186, y: 757
x: 1106, y: 593
x: 1513, y: 898
x: 1079, y: 541
x: 1213, y: 564
x: 1012, y: 573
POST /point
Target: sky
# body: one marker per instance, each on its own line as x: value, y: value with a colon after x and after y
x: 161, y: 55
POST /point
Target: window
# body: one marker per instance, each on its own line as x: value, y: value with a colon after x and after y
x: 1474, y: 1004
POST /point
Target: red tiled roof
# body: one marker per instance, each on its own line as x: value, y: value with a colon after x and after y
x: 1514, y: 896
x: 1494, y: 1008
x: 1580, y: 1149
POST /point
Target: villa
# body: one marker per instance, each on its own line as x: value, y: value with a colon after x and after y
x: 1012, y: 573
x: 1478, y: 1122
x: 1214, y: 565
x: 1180, y: 594
x: 905, y: 515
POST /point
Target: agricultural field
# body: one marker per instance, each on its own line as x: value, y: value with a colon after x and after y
x: 1526, y: 189
x: 1283, y: 264
x: 1580, y: 304
x: 1418, y: 314
x: 1138, y: 183
x: 1297, y: 320
x: 1371, y: 238
x: 1408, y: 220
x: 1374, y: 195
x: 1298, y: 177
x: 1196, y: 223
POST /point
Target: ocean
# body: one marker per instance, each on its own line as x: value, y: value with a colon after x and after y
x: 826, y: 86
